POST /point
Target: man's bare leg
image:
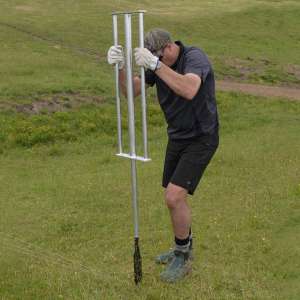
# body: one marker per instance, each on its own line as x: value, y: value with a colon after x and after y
x: 176, y: 200
x: 179, y: 266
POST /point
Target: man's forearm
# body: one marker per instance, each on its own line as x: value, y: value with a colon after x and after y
x: 184, y: 85
x: 122, y: 80
x: 136, y: 83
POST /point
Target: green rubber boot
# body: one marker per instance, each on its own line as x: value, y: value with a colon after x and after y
x: 167, y: 257
x: 178, y: 268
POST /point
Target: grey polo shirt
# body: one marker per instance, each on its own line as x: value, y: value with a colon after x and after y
x: 188, y: 118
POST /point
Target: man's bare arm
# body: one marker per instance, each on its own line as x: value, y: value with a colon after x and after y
x: 136, y: 83
x: 186, y: 85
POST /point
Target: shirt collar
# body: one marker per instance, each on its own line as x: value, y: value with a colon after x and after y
x: 181, y: 48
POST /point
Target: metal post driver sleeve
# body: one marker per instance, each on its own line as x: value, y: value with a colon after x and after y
x: 117, y: 88
x: 131, y: 127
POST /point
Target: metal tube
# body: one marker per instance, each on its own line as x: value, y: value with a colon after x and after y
x: 117, y: 87
x: 131, y: 121
x: 136, y: 157
x: 143, y: 88
x: 129, y: 82
x: 128, y: 12
x: 134, y: 198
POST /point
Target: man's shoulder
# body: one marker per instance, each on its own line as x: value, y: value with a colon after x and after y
x: 192, y: 50
x: 195, y: 53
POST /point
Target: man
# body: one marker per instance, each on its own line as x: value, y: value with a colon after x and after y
x: 185, y: 86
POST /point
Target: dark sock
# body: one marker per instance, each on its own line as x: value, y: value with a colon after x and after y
x: 182, y: 244
x: 191, y: 238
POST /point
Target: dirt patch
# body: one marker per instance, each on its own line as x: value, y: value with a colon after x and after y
x: 246, y: 68
x: 69, y: 101
x: 25, y: 8
x: 53, y: 103
x: 293, y: 70
x: 259, y: 90
x: 243, y: 67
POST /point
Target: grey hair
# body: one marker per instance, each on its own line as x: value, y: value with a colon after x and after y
x: 156, y: 39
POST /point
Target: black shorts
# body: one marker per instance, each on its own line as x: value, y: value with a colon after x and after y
x: 186, y: 161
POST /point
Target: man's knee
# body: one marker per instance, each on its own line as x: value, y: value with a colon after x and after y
x: 174, y: 196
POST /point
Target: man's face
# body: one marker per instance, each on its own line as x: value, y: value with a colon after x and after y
x: 167, y: 55
x: 159, y: 53
x: 163, y: 53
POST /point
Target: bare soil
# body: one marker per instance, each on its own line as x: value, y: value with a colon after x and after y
x: 259, y: 90
x: 69, y: 101
x: 25, y: 8
x: 53, y: 103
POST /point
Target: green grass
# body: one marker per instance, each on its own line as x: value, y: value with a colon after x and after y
x: 66, y: 227
x: 43, y: 41
x: 66, y: 224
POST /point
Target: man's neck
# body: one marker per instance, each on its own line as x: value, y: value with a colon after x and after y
x: 176, y: 54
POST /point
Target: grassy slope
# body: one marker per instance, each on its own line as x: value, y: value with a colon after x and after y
x: 263, y: 35
x: 66, y: 222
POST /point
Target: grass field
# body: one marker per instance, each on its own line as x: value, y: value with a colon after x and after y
x: 66, y: 222
x: 44, y: 41
x: 66, y: 227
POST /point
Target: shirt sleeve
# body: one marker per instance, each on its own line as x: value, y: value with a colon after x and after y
x: 196, y: 62
x: 150, y: 77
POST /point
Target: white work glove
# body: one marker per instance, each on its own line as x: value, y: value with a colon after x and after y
x: 144, y: 58
x: 115, y: 56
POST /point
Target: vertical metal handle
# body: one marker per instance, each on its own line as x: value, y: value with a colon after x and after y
x: 131, y: 120
x: 143, y: 88
x: 117, y: 87
x: 129, y: 82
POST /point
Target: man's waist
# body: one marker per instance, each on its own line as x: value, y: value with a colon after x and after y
x: 195, y: 135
